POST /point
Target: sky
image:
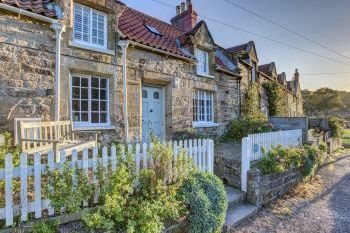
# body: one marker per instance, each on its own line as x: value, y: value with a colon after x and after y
x: 324, y: 21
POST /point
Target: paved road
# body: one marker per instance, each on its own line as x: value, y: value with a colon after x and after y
x: 327, y: 212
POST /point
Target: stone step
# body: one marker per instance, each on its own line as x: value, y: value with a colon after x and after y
x: 238, y: 214
x: 234, y: 197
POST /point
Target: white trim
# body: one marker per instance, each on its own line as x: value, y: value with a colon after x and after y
x: 205, y: 124
x: 90, y: 47
x: 205, y: 75
x: 89, y: 128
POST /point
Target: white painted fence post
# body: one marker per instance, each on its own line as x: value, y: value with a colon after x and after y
x: 113, y: 158
x: 37, y: 185
x: 51, y: 164
x: 8, y: 190
x: 246, y: 154
x: 24, y: 187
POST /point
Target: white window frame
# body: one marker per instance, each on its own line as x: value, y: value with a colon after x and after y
x: 200, y: 118
x: 202, y: 56
x: 88, y: 124
x: 90, y: 44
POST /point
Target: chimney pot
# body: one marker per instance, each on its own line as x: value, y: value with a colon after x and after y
x: 183, y: 7
x: 178, y: 10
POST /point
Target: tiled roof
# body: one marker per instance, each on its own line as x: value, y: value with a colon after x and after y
x: 238, y: 48
x: 35, y: 6
x: 223, y: 62
x: 132, y: 25
x: 265, y: 69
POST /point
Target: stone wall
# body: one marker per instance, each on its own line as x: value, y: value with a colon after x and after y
x: 263, y: 189
x: 27, y: 62
x: 290, y: 123
x: 227, y: 163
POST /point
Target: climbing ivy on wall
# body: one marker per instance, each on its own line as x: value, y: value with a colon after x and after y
x: 277, y: 98
x: 251, y: 103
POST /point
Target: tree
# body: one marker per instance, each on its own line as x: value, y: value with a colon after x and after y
x: 322, y: 101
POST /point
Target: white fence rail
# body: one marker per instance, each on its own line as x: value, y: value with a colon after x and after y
x: 200, y: 151
x: 254, y: 145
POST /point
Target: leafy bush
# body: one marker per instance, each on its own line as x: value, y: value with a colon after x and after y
x: 280, y: 159
x: 337, y: 126
x: 45, y: 227
x: 205, y: 196
x: 240, y: 128
x: 323, y: 147
x: 144, y: 202
x: 7, y: 148
x: 59, y: 189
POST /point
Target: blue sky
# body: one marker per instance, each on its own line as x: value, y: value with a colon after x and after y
x: 324, y: 21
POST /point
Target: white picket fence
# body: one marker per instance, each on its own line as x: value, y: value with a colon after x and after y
x: 254, y: 145
x: 200, y: 151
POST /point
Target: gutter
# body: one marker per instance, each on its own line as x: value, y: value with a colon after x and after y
x: 59, y: 29
x: 228, y: 72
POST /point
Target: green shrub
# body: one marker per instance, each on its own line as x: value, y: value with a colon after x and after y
x: 323, y: 147
x: 337, y: 127
x: 59, y: 189
x: 142, y: 202
x: 240, y: 128
x: 46, y: 227
x: 7, y: 148
x: 278, y: 102
x: 280, y: 159
x: 205, y: 196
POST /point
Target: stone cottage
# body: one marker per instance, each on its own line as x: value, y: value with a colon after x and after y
x: 112, y: 69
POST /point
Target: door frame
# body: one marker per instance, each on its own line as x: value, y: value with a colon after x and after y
x: 162, y: 88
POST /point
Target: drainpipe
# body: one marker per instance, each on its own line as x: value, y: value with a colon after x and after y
x: 59, y: 28
x: 124, y: 45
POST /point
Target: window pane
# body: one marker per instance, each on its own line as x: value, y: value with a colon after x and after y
x: 76, y: 105
x: 103, y: 118
x: 103, y: 83
x: 76, y: 93
x: 84, y: 82
x: 84, y: 116
x: 103, y: 106
x: 84, y: 93
x: 144, y: 94
x: 94, y: 94
x: 76, y: 81
x: 76, y: 116
x: 156, y: 95
x: 95, y: 118
x: 86, y: 24
x: 95, y: 106
x: 95, y: 82
x: 103, y: 94
x: 78, y: 22
x: 84, y: 105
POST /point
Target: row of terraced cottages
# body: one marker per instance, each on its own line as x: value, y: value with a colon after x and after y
x: 112, y: 69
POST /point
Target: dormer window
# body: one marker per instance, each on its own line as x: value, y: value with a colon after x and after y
x: 90, y: 27
x: 202, y: 62
x: 153, y: 30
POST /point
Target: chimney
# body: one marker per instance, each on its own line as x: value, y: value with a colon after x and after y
x: 186, y: 17
x: 296, y: 75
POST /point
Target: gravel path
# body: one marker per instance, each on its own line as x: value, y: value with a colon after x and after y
x: 328, y: 211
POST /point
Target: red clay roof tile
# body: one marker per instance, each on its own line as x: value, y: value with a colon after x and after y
x: 35, y: 6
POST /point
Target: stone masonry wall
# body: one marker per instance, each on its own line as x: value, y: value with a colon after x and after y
x: 27, y: 62
x: 227, y: 163
x: 263, y: 189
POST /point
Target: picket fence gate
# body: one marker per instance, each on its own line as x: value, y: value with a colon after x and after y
x: 200, y: 151
x: 254, y: 145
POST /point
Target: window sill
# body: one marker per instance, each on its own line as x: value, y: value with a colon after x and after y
x: 86, y: 47
x: 205, y: 75
x: 91, y: 128
x: 205, y: 124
